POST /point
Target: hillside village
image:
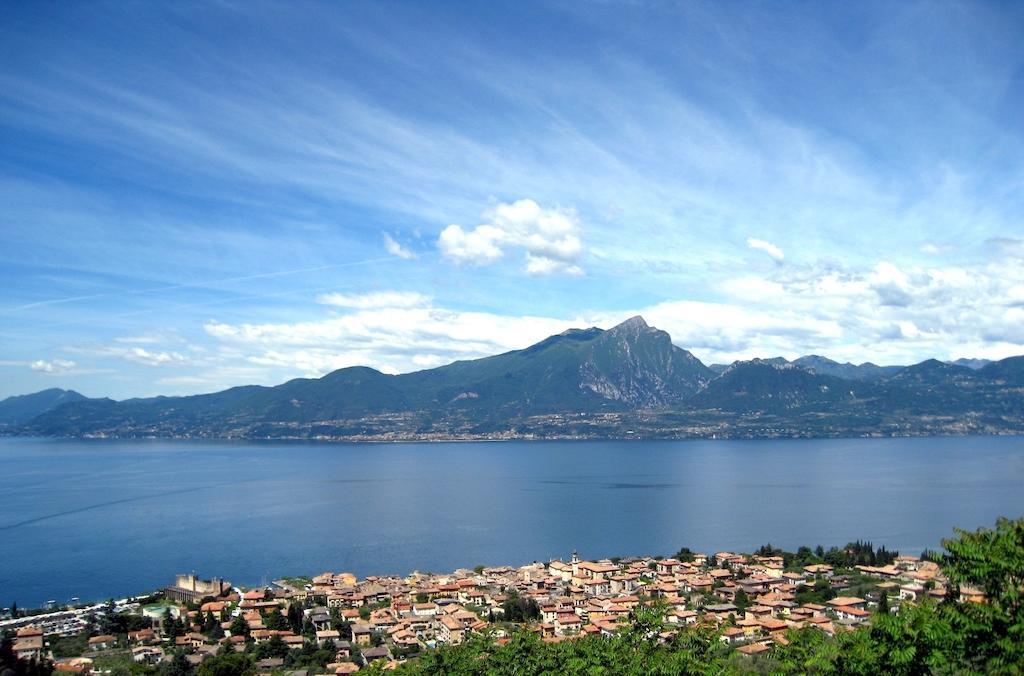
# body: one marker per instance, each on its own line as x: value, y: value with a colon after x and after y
x: 335, y: 623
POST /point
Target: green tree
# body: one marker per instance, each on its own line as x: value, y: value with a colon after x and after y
x: 518, y: 609
x: 295, y: 617
x: 991, y: 560
x: 239, y: 627
x: 176, y: 666
x: 275, y: 647
x: 820, y: 592
x: 742, y: 601
x: 275, y: 620
x: 227, y: 664
x: 808, y: 651
x: 171, y: 627
x: 685, y: 554
x: 915, y: 641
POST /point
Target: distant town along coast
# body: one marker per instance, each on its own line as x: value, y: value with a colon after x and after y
x: 856, y: 609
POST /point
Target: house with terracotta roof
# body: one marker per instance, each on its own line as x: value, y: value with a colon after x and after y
x: 588, y: 570
x: 682, y: 616
x: 816, y: 569
x: 720, y: 611
x: 624, y: 583
x: 795, y: 579
x: 772, y: 626
x: 104, y: 642
x: 74, y: 665
x: 191, y: 639
x: 450, y: 630
x: 911, y: 591
x: 362, y: 634
x: 424, y: 609
x: 848, y: 602
x: 376, y: 653
x: 293, y: 641
x: 733, y: 635
x: 147, y: 654
x: 851, y: 614
x: 753, y: 648
x: 31, y: 631
x: 326, y: 635
x: 698, y: 584
x: 142, y: 636
x: 907, y: 562
x: 28, y: 647
x: 667, y: 566
x: 567, y: 624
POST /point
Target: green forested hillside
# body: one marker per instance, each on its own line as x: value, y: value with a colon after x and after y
x: 628, y: 381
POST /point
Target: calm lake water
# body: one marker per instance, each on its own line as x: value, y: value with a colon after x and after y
x: 96, y: 519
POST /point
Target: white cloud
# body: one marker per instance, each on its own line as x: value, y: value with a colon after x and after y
x: 377, y: 299
x: 140, y: 355
x: 891, y: 285
x: 313, y: 361
x: 539, y: 266
x: 396, y: 249
x: 759, y: 244
x: 886, y: 313
x: 934, y: 248
x: 52, y: 366
x: 479, y: 246
x: 143, y: 339
x: 391, y: 339
x: 427, y: 361
x: 136, y: 354
x: 550, y: 238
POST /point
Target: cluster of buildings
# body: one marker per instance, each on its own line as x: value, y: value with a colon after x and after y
x: 751, y: 599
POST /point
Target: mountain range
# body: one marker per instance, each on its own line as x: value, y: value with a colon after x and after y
x: 629, y: 381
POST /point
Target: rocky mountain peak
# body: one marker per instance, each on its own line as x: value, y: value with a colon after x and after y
x: 633, y: 325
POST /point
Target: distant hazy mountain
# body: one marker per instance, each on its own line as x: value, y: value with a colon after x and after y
x: 848, y: 371
x: 827, y: 367
x: 627, y: 381
x: 972, y: 363
x: 1009, y: 370
x: 629, y: 366
x: 20, y: 409
x: 772, y: 386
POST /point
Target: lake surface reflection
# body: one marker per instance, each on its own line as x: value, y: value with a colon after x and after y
x: 95, y: 519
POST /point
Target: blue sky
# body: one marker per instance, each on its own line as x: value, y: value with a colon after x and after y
x: 199, y: 195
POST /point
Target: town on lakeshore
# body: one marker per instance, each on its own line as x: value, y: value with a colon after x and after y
x: 334, y: 623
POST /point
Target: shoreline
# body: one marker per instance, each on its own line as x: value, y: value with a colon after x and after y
x: 376, y: 439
